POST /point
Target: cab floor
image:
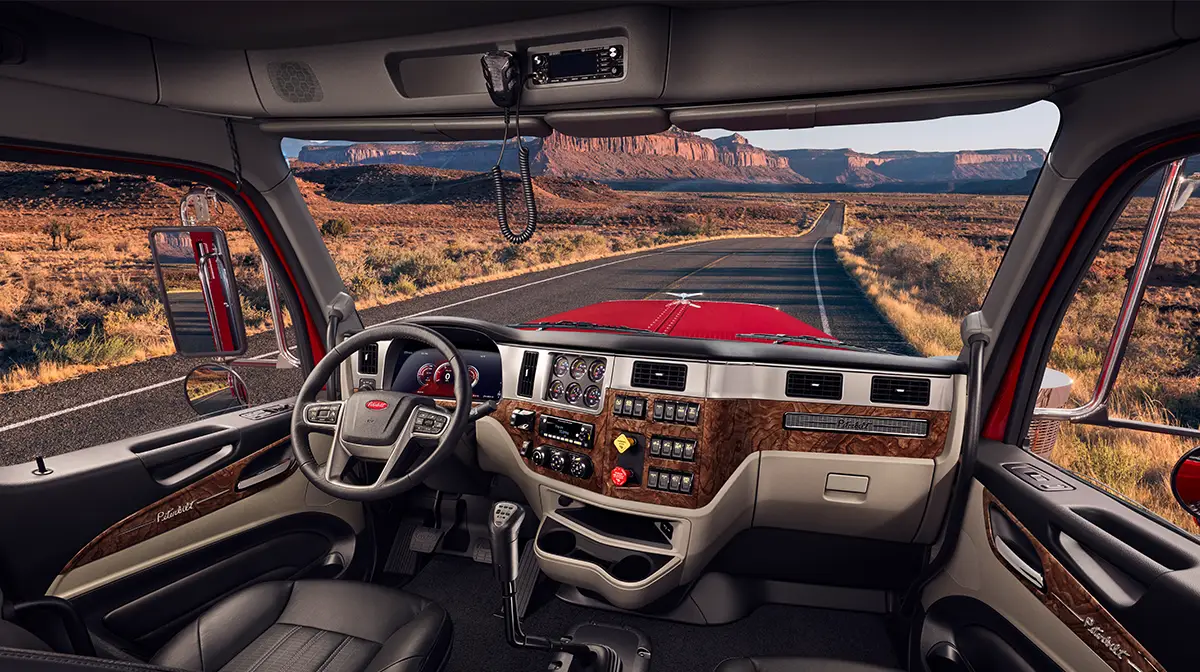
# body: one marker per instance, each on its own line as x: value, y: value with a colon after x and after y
x: 469, y: 592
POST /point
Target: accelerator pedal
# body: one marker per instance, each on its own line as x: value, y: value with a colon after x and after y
x: 401, y: 558
x: 528, y: 573
x: 425, y: 539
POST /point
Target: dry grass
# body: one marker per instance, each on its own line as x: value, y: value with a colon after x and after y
x: 927, y: 263
x: 67, y: 312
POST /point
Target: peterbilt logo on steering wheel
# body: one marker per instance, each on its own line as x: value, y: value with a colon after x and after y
x: 377, y: 404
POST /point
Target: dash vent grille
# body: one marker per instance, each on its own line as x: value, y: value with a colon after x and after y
x: 907, y: 391
x: 368, y: 359
x: 813, y: 385
x: 659, y: 376
x: 528, y: 370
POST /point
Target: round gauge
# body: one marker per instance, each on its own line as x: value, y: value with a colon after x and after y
x: 591, y: 397
x: 425, y: 374
x: 556, y: 390
x: 596, y: 371
x: 573, y: 392
x: 474, y: 375
x: 444, y: 375
x: 578, y: 368
x: 561, y: 364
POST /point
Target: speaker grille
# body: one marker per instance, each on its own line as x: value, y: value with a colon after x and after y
x: 659, y: 376
x: 528, y: 370
x: 295, y: 82
x: 811, y: 385
x: 908, y: 391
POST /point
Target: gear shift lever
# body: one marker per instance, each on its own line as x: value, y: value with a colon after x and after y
x: 506, y: 525
x: 503, y: 532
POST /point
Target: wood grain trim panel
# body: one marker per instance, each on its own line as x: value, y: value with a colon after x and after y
x: 1071, y: 602
x: 729, y: 431
x: 213, y: 492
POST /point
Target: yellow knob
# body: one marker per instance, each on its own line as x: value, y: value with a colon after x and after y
x: 623, y: 443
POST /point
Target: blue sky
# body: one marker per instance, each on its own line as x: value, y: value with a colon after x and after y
x: 1029, y: 127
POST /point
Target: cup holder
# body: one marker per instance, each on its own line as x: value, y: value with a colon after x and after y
x: 558, y: 542
x: 632, y: 568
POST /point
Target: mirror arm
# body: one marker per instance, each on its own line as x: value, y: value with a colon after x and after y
x: 285, y: 360
x: 1095, y: 411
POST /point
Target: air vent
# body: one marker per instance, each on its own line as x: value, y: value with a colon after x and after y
x: 528, y: 370
x: 907, y: 391
x: 368, y: 359
x: 811, y: 385
x: 659, y: 376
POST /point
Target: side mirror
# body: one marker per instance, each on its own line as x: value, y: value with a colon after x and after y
x: 1185, y: 482
x: 195, y: 277
x: 213, y: 389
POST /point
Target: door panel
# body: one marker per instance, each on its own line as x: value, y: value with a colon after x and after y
x: 1123, y: 585
x: 150, y: 531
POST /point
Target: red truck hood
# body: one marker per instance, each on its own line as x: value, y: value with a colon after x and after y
x: 722, y: 320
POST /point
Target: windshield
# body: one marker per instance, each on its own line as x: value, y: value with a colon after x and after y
x: 874, y: 237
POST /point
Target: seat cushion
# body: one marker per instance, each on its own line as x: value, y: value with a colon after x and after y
x: 311, y: 626
x: 798, y: 665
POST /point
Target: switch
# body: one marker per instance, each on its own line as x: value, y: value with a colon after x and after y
x: 652, y: 480
x: 669, y: 411
x: 659, y: 410
x: 693, y: 414
x: 624, y: 443
x: 522, y: 420
x: 620, y: 476
x: 677, y: 451
x: 676, y: 481
x: 655, y: 446
x: 627, y: 406
x: 685, y: 484
x: 639, y: 407
x: 689, y: 451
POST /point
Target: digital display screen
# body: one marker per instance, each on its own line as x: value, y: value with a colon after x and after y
x: 572, y: 64
x: 567, y: 431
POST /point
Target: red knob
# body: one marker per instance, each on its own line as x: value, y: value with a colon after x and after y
x: 620, y: 476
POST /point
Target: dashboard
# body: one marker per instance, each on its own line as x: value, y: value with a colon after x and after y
x: 643, y: 455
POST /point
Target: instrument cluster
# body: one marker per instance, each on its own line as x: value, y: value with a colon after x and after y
x: 425, y: 371
x: 577, y: 380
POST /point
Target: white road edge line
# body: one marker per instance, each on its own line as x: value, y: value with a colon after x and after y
x: 155, y: 386
x: 817, y: 284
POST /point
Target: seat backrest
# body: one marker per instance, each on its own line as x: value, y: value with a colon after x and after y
x: 34, y: 660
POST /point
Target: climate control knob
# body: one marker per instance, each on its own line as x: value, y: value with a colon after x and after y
x: 540, y: 456
x: 558, y: 461
x: 580, y: 467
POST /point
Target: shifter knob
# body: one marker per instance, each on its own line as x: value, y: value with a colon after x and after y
x: 505, y: 526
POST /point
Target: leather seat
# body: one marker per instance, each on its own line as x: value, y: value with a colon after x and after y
x: 311, y: 626
x: 782, y: 664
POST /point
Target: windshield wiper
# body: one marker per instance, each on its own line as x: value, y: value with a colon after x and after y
x: 814, y: 340
x: 569, y: 324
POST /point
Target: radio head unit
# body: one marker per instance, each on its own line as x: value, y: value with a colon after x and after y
x: 568, y: 431
x: 579, y: 65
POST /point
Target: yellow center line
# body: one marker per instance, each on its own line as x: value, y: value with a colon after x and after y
x: 673, y: 284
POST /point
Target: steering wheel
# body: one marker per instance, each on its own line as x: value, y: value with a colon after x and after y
x: 377, y: 425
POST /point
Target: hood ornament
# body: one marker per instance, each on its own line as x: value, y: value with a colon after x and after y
x: 684, y: 298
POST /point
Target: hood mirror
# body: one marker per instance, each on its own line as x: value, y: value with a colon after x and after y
x: 1185, y: 482
x: 213, y: 389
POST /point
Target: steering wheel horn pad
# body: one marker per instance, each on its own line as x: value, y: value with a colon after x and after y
x: 378, y: 425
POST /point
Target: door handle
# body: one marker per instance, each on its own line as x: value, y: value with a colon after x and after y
x: 266, y: 475
x: 1013, y: 560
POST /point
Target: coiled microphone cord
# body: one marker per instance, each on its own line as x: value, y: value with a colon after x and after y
x: 526, y: 188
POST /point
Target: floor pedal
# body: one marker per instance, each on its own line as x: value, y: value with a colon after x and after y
x: 402, y: 559
x: 528, y: 573
x: 481, y: 551
x: 425, y: 539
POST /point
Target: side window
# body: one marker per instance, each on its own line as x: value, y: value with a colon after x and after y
x: 86, y: 356
x: 1158, y: 379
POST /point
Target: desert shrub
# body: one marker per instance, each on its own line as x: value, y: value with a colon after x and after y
x: 361, y: 281
x: 96, y: 349
x: 692, y: 226
x: 423, y: 268
x: 336, y: 227
x: 53, y: 229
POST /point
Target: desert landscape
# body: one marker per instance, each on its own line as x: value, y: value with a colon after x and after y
x: 928, y: 260
x: 85, y: 298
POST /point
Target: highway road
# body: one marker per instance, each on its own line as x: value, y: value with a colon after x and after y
x: 799, y: 275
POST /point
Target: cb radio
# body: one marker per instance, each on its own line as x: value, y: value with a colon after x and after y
x: 502, y: 77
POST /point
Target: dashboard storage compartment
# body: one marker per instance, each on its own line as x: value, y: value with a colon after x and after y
x: 623, y: 565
